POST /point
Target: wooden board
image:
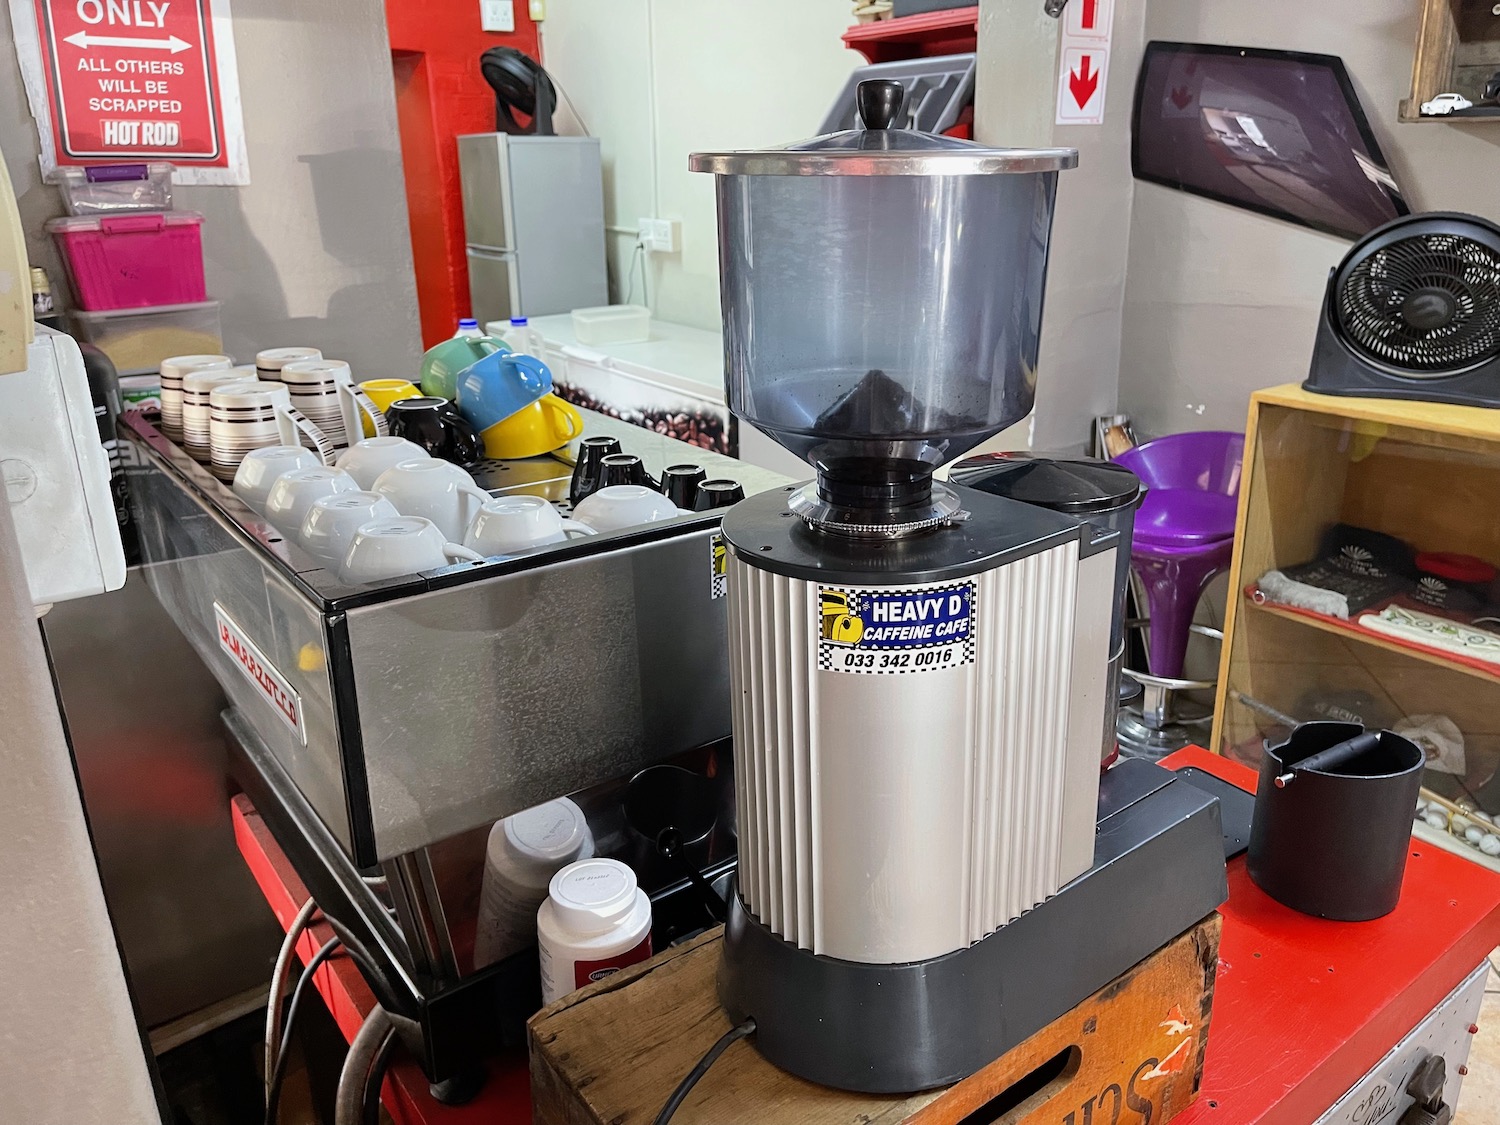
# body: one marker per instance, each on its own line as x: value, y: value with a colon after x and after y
x: 612, y: 1053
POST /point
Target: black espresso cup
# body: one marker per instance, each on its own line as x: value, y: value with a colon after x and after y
x: 718, y: 494
x: 624, y: 468
x: 588, y: 470
x: 680, y: 483
x: 436, y: 425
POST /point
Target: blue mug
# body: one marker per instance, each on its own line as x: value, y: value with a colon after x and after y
x: 499, y: 385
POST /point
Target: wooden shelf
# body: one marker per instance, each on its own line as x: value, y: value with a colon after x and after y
x: 1458, y: 48
x: 951, y: 31
x: 1352, y: 632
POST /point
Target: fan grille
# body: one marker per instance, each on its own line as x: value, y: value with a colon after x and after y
x: 1377, y: 291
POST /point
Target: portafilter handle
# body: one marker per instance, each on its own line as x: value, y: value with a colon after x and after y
x: 879, y: 102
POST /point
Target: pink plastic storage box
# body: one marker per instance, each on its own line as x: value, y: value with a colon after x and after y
x: 131, y: 261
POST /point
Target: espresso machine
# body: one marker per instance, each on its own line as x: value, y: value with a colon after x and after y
x: 930, y: 868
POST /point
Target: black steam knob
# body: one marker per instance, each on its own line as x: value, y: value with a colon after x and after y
x: 879, y: 102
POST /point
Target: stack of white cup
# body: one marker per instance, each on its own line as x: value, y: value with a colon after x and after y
x: 523, y: 854
x: 386, y: 510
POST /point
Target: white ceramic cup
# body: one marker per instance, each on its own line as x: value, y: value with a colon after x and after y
x: 624, y: 505
x: 366, y: 460
x: 330, y: 524
x: 173, y: 371
x: 196, y: 386
x: 392, y: 548
x: 251, y: 415
x: 436, y: 490
x: 294, y: 493
x: 260, y: 468
x: 270, y: 361
x: 506, y: 525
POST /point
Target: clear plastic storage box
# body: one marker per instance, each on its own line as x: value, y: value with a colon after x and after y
x: 112, y: 188
x: 137, y: 340
x: 612, y: 324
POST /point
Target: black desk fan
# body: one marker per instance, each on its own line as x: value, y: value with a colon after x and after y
x: 519, y: 83
x: 1413, y: 312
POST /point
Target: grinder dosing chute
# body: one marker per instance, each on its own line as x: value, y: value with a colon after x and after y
x: 882, y: 296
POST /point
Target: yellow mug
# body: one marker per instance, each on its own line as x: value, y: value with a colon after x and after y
x: 545, y: 425
x: 383, y: 392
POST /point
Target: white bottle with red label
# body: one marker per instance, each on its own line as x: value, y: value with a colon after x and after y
x: 596, y: 921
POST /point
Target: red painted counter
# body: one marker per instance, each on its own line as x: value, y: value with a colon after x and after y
x: 1303, y: 1008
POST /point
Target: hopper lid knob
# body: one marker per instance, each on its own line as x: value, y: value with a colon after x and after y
x: 879, y: 102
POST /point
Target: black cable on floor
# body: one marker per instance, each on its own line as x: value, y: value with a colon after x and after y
x: 685, y: 1087
x: 304, y: 982
x: 376, y: 1077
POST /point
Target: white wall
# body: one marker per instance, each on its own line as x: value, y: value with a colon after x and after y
x: 1221, y: 301
x: 658, y: 79
x: 1015, y: 104
x: 70, y: 1048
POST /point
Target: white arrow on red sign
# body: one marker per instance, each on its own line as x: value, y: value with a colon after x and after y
x: 85, y: 40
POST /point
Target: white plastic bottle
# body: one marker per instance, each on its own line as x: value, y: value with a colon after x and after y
x: 523, y: 854
x: 468, y: 328
x: 523, y: 338
x: 596, y: 921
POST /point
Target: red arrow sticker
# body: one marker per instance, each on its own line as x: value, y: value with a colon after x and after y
x: 1083, y: 82
x: 1087, y: 20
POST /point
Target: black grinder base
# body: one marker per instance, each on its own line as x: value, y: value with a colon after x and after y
x: 890, y: 1029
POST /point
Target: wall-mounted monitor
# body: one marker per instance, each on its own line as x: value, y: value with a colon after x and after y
x: 1279, y: 132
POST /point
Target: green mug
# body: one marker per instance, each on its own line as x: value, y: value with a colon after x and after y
x: 442, y: 362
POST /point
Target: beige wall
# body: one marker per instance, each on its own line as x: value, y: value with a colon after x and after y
x: 1221, y: 301
x: 315, y: 250
x: 1015, y: 104
x: 658, y: 79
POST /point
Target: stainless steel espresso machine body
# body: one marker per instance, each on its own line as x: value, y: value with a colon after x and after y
x: 381, y: 729
x: 920, y: 672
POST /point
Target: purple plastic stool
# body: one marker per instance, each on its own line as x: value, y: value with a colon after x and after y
x: 1184, y: 531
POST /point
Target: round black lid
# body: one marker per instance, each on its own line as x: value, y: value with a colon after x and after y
x: 1075, y: 485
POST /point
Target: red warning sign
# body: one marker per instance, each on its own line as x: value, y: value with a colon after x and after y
x: 133, y: 80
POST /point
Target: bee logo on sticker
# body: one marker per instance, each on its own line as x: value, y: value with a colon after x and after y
x: 719, y: 561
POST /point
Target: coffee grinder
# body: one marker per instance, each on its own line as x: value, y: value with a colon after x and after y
x: 919, y: 671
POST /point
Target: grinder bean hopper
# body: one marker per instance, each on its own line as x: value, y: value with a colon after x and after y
x: 919, y: 672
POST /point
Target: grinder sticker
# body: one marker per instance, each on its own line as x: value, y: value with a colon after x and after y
x: 718, y: 555
x: 873, y: 631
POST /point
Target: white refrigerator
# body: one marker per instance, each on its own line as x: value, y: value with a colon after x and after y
x: 534, y: 224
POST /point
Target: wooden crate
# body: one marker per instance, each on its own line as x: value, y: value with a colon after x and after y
x: 612, y: 1053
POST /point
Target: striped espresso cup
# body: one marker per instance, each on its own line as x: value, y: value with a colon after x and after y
x: 172, y: 372
x: 252, y: 415
x: 269, y: 363
x: 196, y: 386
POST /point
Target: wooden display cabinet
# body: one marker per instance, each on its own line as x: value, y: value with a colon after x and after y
x: 1458, y: 48
x: 1426, y: 473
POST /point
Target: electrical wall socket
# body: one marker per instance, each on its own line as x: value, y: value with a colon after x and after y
x: 497, y: 15
x: 661, y: 236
